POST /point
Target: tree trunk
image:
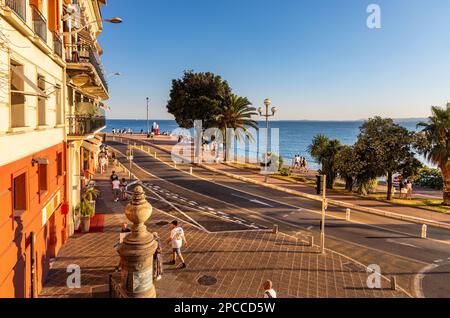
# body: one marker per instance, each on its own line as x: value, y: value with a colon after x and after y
x: 349, y: 184
x: 389, y: 186
x: 446, y: 177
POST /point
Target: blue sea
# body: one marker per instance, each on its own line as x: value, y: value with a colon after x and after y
x: 294, y: 136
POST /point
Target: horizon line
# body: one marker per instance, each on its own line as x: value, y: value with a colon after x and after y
x: 280, y: 120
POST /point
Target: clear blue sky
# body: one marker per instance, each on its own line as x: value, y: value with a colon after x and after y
x: 316, y: 59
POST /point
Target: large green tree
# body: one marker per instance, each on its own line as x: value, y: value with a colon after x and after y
x: 436, y: 145
x: 237, y: 114
x: 349, y: 166
x: 197, y: 96
x: 324, y: 151
x: 386, y: 148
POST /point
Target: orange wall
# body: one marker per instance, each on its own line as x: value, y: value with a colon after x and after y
x: 15, y: 258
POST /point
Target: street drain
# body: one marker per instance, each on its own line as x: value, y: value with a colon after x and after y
x: 207, y: 280
x: 162, y: 223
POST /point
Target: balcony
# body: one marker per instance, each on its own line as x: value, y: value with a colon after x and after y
x: 86, y: 120
x: 86, y: 70
x: 39, y: 23
x: 57, y: 44
x: 82, y: 126
x: 19, y: 7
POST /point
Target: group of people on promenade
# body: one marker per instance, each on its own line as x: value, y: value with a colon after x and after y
x: 104, y: 157
x: 119, y: 187
x: 405, y: 189
x: 300, y: 163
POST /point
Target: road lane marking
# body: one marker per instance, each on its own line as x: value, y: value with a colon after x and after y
x: 402, y: 243
x: 252, y: 200
x: 418, y: 280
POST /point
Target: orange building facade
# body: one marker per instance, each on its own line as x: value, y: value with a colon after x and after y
x: 51, y: 113
x: 32, y: 200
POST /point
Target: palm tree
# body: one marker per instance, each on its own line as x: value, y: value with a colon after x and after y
x: 236, y: 114
x: 325, y: 151
x: 437, y: 144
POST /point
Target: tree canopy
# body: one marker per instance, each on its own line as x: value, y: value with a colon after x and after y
x: 197, y: 96
x: 324, y: 151
x: 386, y: 148
x: 435, y: 144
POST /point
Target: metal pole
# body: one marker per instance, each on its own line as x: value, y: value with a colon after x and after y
x: 33, y: 263
x: 322, y: 223
x: 267, y: 142
x: 148, y: 124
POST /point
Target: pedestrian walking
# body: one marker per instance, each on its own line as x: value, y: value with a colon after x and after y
x: 116, y: 189
x: 102, y: 163
x: 114, y: 176
x: 403, y: 190
x: 305, y: 164
x: 269, y: 292
x: 409, y: 190
x: 176, y: 239
x: 157, y: 259
x: 114, y: 158
x: 123, y: 189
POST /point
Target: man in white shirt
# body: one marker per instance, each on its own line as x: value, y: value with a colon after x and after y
x: 177, y: 239
x: 269, y: 292
x: 116, y: 189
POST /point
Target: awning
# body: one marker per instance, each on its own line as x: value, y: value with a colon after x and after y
x: 91, y: 146
x: 98, y: 139
x: 37, y: 90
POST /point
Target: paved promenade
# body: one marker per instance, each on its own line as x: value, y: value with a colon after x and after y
x: 236, y: 262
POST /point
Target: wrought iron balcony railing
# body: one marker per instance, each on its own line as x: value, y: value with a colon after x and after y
x: 85, y: 54
x: 19, y: 7
x: 39, y: 23
x: 57, y: 44
x: 80, y: 126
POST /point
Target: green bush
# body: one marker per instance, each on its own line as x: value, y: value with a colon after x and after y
x: 429, y: 178
x: 285, y: 172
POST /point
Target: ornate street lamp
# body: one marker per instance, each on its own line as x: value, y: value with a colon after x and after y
x: 267, y: 103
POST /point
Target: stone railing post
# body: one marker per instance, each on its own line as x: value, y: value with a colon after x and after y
x: 137, y: 250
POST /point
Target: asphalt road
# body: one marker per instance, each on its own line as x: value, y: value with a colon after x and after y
x: 421, y: 266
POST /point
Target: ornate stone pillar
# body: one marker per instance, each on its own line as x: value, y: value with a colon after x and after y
x: 137, y: 250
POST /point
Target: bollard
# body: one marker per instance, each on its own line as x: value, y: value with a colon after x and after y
x: 424, y: 231
x: 347, y: 214
x: 190, y: 171
x: 275, y: 229
x: 155, y: 154
x: 393, y: 283
x: 322, y: 243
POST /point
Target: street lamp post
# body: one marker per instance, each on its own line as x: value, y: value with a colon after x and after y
x: 267, y: 103
x: 115, y: 20
x: 148, y: 124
